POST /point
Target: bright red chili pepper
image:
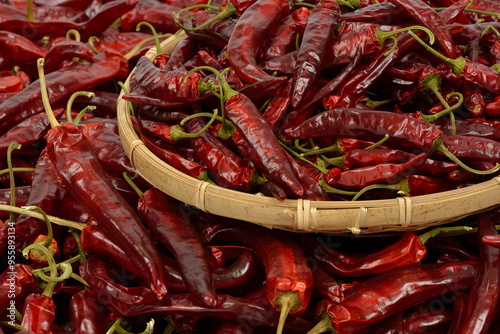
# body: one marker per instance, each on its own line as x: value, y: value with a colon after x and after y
x: 24, y: 284
x: 39, y: 313
x: 65, y: 50
x: 87, y: 314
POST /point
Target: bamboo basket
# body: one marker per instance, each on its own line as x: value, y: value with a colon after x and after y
x: 398, y: 214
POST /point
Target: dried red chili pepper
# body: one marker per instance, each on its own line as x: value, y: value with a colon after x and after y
x: 430, y: 321
x: 170, y: 224
x: 289, y: 281
x: 249, y: 33
x: 408, y: 250
x: 216, y: 34
x: 87, y: 314
x: 23, y: 283
x: 381, y: 13
x: 39, y: 313
x: 485, y: 292
x: 326, y: 287
x: 366, y: 303
x: 61, y: 84
x: 319, y: 28
x: 64, y: 50
x: 22, y: 51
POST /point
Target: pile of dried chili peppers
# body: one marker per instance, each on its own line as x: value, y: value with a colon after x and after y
x: 320, y: 100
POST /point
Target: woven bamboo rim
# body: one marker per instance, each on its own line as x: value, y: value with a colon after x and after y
x: 398, y: 214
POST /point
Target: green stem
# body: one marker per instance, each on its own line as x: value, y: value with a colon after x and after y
x: 383, y: 35
x: 375, y: 104
x: 29, y: 14
x: 125, y: 90
x: 72, y: 260
x: 17, y: 327
x: 159, y: 51
x: 75, y: 33
x: 132, y: 184
x: 434, y: 232
x: 492, y: 28
x: 13, y: 146
x: 323, y: 170
x: 69, y: 104
x: 296, y: 144
x: 92, y: 46
x: 113, y: 327
x: 402, y: 188
x: 52, y: 265
x: 50, y: 233
x: 140, y: 45
x: 67, y: 272
x: 439, y: 146
x: 149, y: 328
x: 80, y: 279
x: 457, y: 64
x: 81, y: 113
x: 345, y: 4
x: 434, y: 117
x: 323, y: 326
x: 337, y: 161
x: 303, y: 4
x: 177, y: 133
x: 380, y: 142
x: 54, y: 220
x: 228, y: 11
x: 81, y: 253
x: 45, y: 98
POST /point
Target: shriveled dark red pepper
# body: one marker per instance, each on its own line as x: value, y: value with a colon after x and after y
x: 61, y: 84
x: 22, y: 52
x: 320, y: 26
x: 87, y: 313
x: 64, y: 50
x: 485, y: 292
x: 168, y: 221
x: 21, y: 279
x: 366, y: 303
x: 407, y: 251
x: 249, y: 33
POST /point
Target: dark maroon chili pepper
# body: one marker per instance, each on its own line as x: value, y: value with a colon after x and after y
x: 485, y: 292
x: 468, y: 128
x: 270, y: 188
x: 87, y: 314
x: 65, y: 50
x: 106, y: 144
x: 424, y: 14
x: 183, y: 51
x: 427, y: 321
x: 461, y: 175
x: 249, y: 33
x: 320, y: 25
x: 366, y: 303
x: 229, y: 168
x: 404, y: 132
x: 74, y: 161
x: 492, y: 109
x: 289, y: 282
x: 170, y: 155
x: 281, y: 38
x: 27, y: 132
x: 61, y: 84
x: 167, y: 85
x: 408, y: 250
x: 156, y: 13
x: 326, y: 287
x: 277, y: 108
x: 80, y: 4
x: 155, y: 129
x: 124, y: 42
x: 23, y: 283
x: 202, y: 58
x: 39, y: 313
x: 460, y: 305
x: 22, y: 52
x: 473, y: 147
x: 216, y: 34
x: 450, y: 245
x: 46, y: 193
x: 162, y: 115
x: 170, y: 223
x: 381, y: 13
x: 389, y: 325
x: 105, y: 103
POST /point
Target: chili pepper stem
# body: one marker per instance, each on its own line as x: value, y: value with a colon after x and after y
x: 439, y: 146
x: 12, y: 146
x: 132, y: 184
x: 72, y: 98
x: 92, y: 46
x: 72, y: 260
x: 81, y: 113
x: 52, y: 265
x: 324, y: 325
x: 488, y: 28
x: 448, y: 110
x: 159, y: 51
x: 177, y: 133
x: 55, y: 220
x: 29, y: 9
x: 10, y: 324
x: 383, y: 36
x: 457, y: 64
x: 45, y: 98
x: 287, y: 302
x: 136, y: 48
x: 50, y: 234
x: 401, y: 187
x: 18, y: 170
x: 332, y: 190
x: 75, y: 33
x: 298, y: 155
x: 67, y: 272
x: 434, y: 232
x: 228, y: 11
x: 83, y: 257
x: 125, y: 90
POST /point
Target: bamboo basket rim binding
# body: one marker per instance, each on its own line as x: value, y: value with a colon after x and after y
x: 367, y: 216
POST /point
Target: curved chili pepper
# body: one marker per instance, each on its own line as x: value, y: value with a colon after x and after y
x: 249, y: 33
x: 287, y: 274
x: 74, y: 160
x: 229, y: 168
x: 39, y: 313
x: 216, y: 34
x: 473, y: 147
x: 366, y: 303
x: 326, y: 287
x: 87, y: 313
x: 429, y: 321
x: 168, y: 221
x: 10, y: 84
x: 21, y: 279
x: 408, y: 250
x: 481, y: 310
x: 320, y: 26
x: 61, y: 84
x: 468, y: 128
x: 21, y: 51
x: 404, y: 132
x: 381, y: 13
x: 27, y: 132
x: 281, y: 38
x: 66, y: 50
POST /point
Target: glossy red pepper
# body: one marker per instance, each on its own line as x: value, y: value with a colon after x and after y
x: 65, y: 50
x: 39, y: 313
x: 366, y: 303
x: 87, y: 314
x: 22, y: 51
x: 16, y: 283
x: 407, y: 251
x: 249, y: 33
x: 319, y: 28
x: 485, y: 292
